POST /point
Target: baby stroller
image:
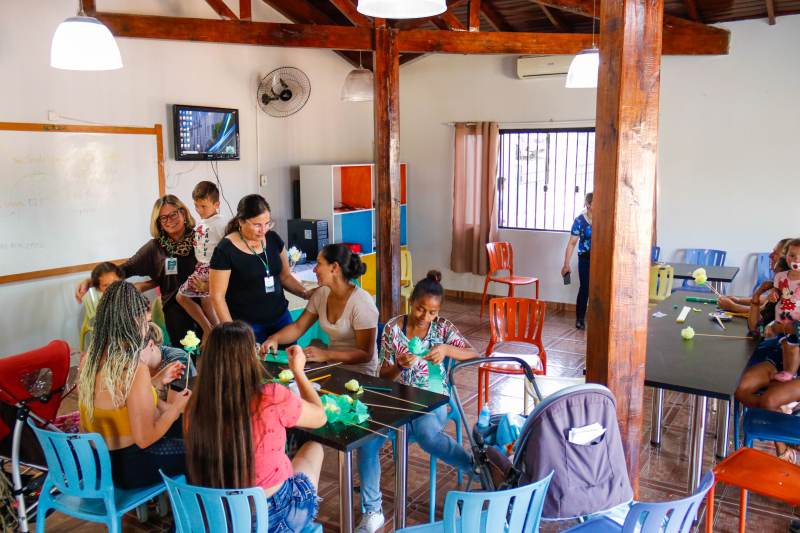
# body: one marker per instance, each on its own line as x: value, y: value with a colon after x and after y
x: 587, y: 478
x: 32, y: 384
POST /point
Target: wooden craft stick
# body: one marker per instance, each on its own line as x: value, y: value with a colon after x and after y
x: 720, y: 322
x: 398, y: 409
x: 395, y: 398
x: 321, y: 367
x: 382, y: 424
x: 726, y: 336
x: 323, y: 391
x: 319, y: 378
x: 365, y: 429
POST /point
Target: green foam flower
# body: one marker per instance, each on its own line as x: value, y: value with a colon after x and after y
x: 416, y: 347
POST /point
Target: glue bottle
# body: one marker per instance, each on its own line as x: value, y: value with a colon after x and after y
x: 483, y: 417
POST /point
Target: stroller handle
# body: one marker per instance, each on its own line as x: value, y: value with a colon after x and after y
x: 480, y: 360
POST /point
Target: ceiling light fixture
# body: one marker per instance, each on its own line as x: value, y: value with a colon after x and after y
x: 584, y: 69
x: 84, y: 43
x: 401, y: 9
x: 359, y: 86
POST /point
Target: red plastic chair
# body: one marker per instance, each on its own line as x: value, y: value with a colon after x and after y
x: 518, y: 323
x: 501, y: 257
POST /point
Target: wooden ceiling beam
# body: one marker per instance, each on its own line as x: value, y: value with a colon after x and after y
x: 679, y: 26
x: 452, y: 21
x: 691, y: 8
x: 245, y: 10
x: 439, y: 23
x: 556, y: 19
x: 494, y: 18
x: 411, y: 24
x: 475, y: 15
x: 88, y: 6
x: 349, y: 10
x: 417, y: 41
x: 222, y: 9
x: 771, y: 12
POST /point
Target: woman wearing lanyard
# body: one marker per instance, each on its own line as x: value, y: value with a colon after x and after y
x: 582, y: 236
x: 249, y: 271
x: 168, y: 259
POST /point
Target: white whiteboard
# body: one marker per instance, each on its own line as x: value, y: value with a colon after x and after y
x: 73, y: 198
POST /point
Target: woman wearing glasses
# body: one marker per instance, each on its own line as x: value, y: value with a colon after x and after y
x: 250, y: 269
x: 168, y: 259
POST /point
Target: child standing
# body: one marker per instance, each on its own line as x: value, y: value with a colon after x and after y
x: 786, y: 293
x: 207, y: 234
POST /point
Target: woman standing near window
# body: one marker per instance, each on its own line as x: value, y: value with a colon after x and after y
x: 582, y: 236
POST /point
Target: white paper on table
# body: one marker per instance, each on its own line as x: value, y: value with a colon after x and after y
x: 586, y: 434
x: 659, y: 314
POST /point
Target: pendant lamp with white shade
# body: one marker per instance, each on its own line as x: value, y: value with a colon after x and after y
x: 84, y: 43
x: 401, y: 9
x: 584, y: 69
x: 359, y: 86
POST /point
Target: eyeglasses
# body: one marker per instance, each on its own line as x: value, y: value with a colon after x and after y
x: 171, y: 216
x: 258, y: 227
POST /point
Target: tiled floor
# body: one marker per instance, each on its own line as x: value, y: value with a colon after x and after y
x: 664, y: 470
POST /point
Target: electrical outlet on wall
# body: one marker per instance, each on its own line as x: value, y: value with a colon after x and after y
x: 263, y: 180
x: 52, y: 116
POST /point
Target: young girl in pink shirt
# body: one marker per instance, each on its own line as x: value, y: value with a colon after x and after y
x: 236, y: 428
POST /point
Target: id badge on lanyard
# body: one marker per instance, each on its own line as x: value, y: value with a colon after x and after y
x: 171, y: 264
x: 269, y: 283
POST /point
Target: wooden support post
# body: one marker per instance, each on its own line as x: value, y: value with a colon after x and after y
x: 475, y: 15
x: 245, y: 10
x: 624, y: 181
x: 386, y: 66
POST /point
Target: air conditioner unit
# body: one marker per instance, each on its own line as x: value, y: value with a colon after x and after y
x: 532, y: 67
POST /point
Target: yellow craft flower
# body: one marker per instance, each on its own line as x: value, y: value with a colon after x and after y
x: 286, y: 374
x: 687, y: 333
x: 332, y: 407
x: 190, y: 340
x: 699, y: 272
x: 352, y: 385
x: 701, y: 279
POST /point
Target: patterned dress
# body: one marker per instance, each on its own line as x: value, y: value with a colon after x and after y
x: 394, y: 342
x: 583, y: 230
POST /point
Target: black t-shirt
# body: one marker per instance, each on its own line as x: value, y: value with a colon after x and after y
x: 246, y: 296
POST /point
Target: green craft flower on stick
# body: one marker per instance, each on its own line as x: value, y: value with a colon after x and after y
x: 344, y: 410
x: 190, y: 342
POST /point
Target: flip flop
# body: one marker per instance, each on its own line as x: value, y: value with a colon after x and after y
x: 782, y: 376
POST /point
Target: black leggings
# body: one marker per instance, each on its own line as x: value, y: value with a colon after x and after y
x: 134, y: 467
x: 583, y: 291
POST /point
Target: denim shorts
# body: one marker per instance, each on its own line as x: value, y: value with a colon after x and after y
x: 294, y: 506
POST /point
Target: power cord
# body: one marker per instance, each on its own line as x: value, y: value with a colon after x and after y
x: 216, y: 173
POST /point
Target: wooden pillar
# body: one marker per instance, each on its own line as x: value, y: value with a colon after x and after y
x: 624, y: 181
x: 386, y: 66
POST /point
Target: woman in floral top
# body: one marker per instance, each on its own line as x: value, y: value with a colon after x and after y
x: 397, y: 363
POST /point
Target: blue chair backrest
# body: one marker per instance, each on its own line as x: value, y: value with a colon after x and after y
x: 199, y: 509
x: 655, y: 251
x: 380, y: 336
x: 764, y: 272
x: 525, y: 513
x: 76, y: 467
x: 653, y: 516
x: 698, y: 256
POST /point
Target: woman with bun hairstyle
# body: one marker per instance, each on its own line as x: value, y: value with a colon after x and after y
x: 397, y: 363
x: 345, y: 312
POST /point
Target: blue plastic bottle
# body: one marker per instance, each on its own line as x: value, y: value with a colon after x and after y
x: 483, y: 417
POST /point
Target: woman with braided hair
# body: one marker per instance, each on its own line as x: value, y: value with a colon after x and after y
x: 118, y: 397
x: 168, y: 260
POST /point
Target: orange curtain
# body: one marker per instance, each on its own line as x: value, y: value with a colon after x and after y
x: 477, y: 152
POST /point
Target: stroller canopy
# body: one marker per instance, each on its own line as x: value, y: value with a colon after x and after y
x: 588, y: 478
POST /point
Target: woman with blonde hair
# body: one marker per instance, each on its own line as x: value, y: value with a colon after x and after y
x: 168, y: 260
x: 118, y: 397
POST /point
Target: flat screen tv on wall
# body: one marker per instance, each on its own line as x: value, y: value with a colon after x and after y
x: 205, y: 133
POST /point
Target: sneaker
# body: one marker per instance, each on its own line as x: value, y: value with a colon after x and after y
x: 370, y: 522
x: 580, y: 324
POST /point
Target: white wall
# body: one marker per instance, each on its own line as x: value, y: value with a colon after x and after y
x: 157, y: 74
x: 726, y: 149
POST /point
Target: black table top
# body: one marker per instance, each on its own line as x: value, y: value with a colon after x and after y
x: 705, y: 366
x: 715, y: 273
x: 348, y: 438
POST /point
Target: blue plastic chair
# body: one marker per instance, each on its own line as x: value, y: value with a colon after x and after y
x: 769, y: 425
x: 654, y: 517
x: 80, y: 468
x: 762, y: 269
x: 524, y: 515
x: 655, y: 251
x: 698, y: 256
x: 455, y: 417
x: 220, y: 509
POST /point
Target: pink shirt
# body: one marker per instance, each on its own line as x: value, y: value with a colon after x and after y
x: 280, y: 409
x: 788, y: 308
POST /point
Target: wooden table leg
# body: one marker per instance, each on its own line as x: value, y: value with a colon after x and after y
x: 742, y: 510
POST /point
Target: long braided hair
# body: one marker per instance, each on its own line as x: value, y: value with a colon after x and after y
x: 120, y: 329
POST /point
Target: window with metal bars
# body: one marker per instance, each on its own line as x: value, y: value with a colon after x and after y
x: 543, y: 177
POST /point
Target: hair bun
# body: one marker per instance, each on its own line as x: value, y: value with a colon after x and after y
x: 434, y: 275
x: 357, y: 267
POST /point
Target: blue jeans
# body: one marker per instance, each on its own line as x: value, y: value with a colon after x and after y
x: 294, y: 506
x: 427, y: 431
x: 263, y: 331
x: 583, y: 290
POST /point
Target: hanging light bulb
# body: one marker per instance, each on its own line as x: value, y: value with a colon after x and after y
x: 84, y: 43
x: 584, y: 69
x: 401, y: 9
x: 359, y: 86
